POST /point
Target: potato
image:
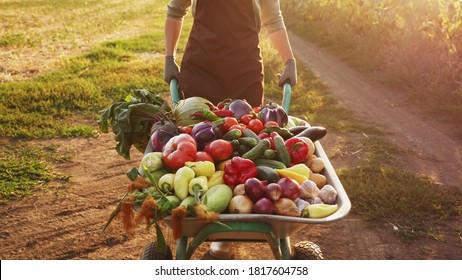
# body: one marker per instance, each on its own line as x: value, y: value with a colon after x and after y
x: 316, y: 165
x: 319, y: 179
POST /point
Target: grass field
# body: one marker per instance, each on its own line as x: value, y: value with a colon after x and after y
x: 414, y: 45
x: 114, y: 47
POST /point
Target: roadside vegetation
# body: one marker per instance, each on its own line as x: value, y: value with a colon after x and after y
x: 413, y: 45
x: 65, y: 103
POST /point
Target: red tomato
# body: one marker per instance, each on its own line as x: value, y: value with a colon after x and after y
x: 219, y: 149
x: 178, y: 150
x: 228, y: 122
x: 271, y: 123
x: 237, y: 126
x: 185, y: 129
x: 245, y: 119
x: 203, y: 156
x: 255, y: 125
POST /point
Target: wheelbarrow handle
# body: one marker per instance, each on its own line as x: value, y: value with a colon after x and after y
x: 287, y: 95
x: 174, y: 92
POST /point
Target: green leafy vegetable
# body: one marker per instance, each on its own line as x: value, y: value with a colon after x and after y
x: 132, y: 119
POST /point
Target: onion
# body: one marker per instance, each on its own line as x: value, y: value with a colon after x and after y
x: 287, y: 207
x: 239, y: 108
x: 255, y: 189
x: 273, y: 191
x: 239, y: 189
x: 240, y: 204
x: 264, y: 206
x: 290, y: 188
x: 162, y: 132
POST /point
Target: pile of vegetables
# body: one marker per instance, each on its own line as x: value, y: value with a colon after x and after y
x: 227, y: 158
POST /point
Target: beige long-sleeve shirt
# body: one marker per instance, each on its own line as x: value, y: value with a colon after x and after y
x: 267, y: 12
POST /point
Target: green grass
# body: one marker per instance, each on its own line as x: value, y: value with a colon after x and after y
x: 411, y: 45
x: 65, y: 103
x: 382, y: 191
x: 25, y: 167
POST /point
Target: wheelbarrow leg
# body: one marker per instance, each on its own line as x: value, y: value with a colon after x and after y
x: 181, y: 246
x: 285, y: 248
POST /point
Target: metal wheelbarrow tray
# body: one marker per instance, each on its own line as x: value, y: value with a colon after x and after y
x: 274, y: 229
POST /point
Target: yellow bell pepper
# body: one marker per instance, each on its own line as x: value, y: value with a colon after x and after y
x: 181, y: 181
x: 216, y: 179
x: 292, y: 175
x: 198, y: 185
x: 319, y: 210
x: 166, y: 182
x: 202, y: 168
x: 301, y: 169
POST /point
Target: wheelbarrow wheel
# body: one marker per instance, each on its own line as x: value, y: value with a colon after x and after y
x: 152, y: 253
x: 307, y: 250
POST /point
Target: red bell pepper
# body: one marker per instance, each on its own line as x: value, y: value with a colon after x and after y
x: 238, y: 170
x: 178, y: 150
x: 298, y: 149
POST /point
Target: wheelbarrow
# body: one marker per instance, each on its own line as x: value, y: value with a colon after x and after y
x: 272, y: 229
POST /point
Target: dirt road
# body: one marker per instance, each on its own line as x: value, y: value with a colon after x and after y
x: 65, y: 224
x: 431, y: 149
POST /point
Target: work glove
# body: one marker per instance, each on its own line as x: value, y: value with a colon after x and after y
x: 171, y: 70
x: 290, y: 73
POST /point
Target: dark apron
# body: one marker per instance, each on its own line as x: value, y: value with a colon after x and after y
x: 222, y: 57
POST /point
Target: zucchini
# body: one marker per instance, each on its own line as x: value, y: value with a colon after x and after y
x: 243, y: 149
x: 258, y: 150
x: 282, y: 154
x: 266, y: 173
x: 248, y: 141
x: 249, y: 133
x: 276, y: 164
x: 232, y: 134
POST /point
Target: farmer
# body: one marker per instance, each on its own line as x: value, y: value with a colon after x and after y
x: 222, y: 57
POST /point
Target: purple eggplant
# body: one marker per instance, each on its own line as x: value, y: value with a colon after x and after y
x: 239, y: 108
x: 274, y: 112
x: 204, y: 132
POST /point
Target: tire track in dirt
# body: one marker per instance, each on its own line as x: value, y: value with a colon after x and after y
x: 429, y: 149
x: 65, y: 224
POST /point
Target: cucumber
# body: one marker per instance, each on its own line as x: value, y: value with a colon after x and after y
x: 243, y: 149
x: 266, y: 173
x: 282, y: 154
x: 258, y: 150
x: 235, y: 144
x: 249, y: 133
x: 248, y: 141
x: 269, y: 154
x: 276, y: 164
x: 232, y: 134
